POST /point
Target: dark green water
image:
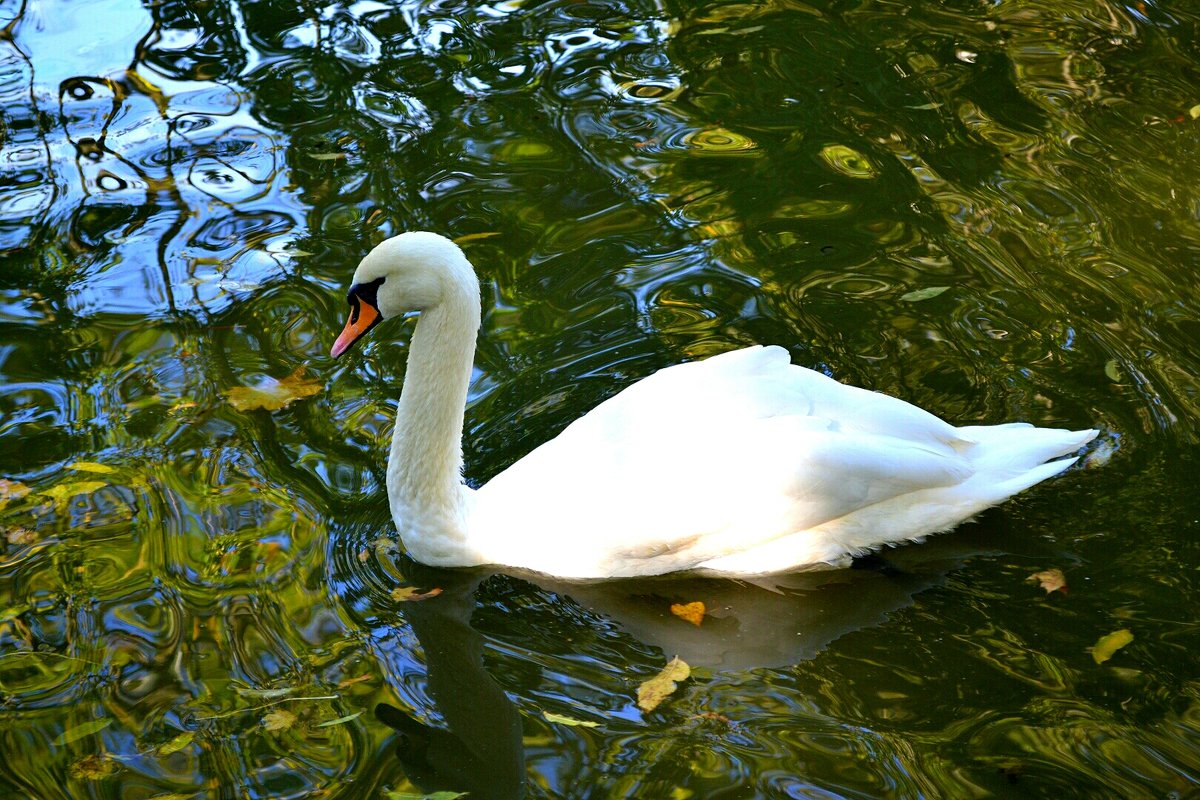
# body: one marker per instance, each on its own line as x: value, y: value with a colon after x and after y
x: 987, y: 209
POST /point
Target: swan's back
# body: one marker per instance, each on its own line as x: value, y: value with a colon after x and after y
x: 745, y: 463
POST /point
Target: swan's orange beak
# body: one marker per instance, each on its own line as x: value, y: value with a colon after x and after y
x: 363, y: 317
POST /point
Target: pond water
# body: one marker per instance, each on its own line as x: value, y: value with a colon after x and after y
x: 988, y: 209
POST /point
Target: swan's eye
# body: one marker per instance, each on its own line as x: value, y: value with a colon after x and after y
x: 367, y: 292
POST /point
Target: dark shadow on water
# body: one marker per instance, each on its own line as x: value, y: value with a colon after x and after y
x: 476, y: 746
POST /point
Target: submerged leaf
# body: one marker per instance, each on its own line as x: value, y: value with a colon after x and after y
x: 405, y: 594
x: 63, y: 492
x: 267, y: 694
x: 339, y: 720
x: 562, y: 719
x: 472, y: 237
x: 271, y: 394
x: 93, y: 768
x: 1104, y: 649
x: 918, y: 295
x: 395, y: 795
x: 178, y: 743
x: 327, y: 156
x: 692, y: 612
x: 366, y: 676
x: 658, y: 688
x: 278, y: 720
x: 80, y: 731
x: 1052, y: 580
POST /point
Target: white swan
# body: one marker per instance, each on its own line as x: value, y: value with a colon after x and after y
x: 741, y: 464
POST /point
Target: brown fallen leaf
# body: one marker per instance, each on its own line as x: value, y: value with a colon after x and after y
x: 271, y: 394
x: 658, y: 688
x: 405, y: 594
x: 366, y: 676
x: 278, y: 720
x: 1052, y: 580
x: 1106, y: 646
x: 692, y: 612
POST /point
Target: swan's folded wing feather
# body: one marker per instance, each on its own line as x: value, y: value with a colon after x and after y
x: 752, y: 383
x: 678, y: 498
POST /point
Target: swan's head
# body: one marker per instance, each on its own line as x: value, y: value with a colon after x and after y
x: 406, y: 273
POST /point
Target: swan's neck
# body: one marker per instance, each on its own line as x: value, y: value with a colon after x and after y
x: 424, y: 476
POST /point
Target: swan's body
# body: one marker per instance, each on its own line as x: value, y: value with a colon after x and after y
x: 740, y: 464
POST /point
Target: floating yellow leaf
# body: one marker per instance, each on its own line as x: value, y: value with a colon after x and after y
x: 11, y: 490
x: 692, y: 612
x: 404, y: 594
x: 658, y: 688
x: 562, y: 719
x: 327, y: 156
x: 93, y: 768
x: 395, y: 795
x: 80, y: 731
x: 1052, y: 580
x: 1104, y: 649
x: 92, y: 466
x: 278, y: 720
x: 272, y: 394
x: 178, y: 743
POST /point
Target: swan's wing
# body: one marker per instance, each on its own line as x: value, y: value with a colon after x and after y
x: 708, y: 458
x: 754, y: 383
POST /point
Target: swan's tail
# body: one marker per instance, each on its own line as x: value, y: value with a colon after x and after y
x: 1017, y: 455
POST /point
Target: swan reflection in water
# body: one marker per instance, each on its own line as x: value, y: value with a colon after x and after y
x: 464, y: 733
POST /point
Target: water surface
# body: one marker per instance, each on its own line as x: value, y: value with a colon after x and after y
x: 989, y: 210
